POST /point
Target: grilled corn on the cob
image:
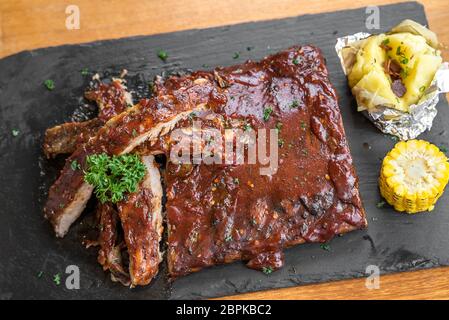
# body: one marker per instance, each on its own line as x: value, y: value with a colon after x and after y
x: 413, y: 176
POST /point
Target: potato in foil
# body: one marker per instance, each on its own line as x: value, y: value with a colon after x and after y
x: 394, y: 69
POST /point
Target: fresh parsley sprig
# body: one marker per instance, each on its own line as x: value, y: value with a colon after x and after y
x: 114, y: 176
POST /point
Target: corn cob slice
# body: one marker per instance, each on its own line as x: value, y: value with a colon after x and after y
x: 413, y: 176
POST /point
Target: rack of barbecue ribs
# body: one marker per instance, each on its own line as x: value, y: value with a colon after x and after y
x: 218, y: 213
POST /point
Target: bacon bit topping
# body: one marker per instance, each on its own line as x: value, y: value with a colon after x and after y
x: 398, y: 88
x: 393, y: 68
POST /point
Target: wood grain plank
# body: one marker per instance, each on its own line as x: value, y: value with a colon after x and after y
x: 423, y: 284
x: 30, y: 24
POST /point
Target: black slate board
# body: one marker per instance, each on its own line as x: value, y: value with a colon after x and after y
x: 394, y: 242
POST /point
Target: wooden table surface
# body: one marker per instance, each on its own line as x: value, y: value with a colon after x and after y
x: 30, y: 24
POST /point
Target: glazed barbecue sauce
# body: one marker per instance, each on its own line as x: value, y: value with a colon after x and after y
x: 221, y: 213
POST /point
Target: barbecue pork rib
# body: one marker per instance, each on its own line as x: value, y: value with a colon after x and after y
x: 141, y: 217
x: 222, y: 213
x: 111, y: 246
x: 64, y: 138
x: 111, y: 98
x: 146, y: 121
x: 133, y: 225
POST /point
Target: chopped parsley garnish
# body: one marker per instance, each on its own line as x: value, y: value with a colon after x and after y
x: 386, y: 41
x: 295, y: 61
x: 49, y: 84
x: 40, y: 273
x: 281, y: 142
x: 236, y: 181
x: 279, y: 126
x: 267, y: 270
x: 294, y: 104
x: 57, y: 279
x: 247, y: 127
x: 15, y: 132
x: 75, y: 165
x: 325, y: 246
x: 163, y: 55
x: 236, y: 55
x: 443, y: 149
x: 84, y: 72
x: 401, y: 54
x: 380, y: 204
x: 405, y: 72
x: 134, y: 133
x: 303, y: 125
x: 114, y: 176
x: 267, y: 113
x: 228, y: 237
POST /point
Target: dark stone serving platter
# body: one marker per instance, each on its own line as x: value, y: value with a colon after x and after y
x: 31, y: 255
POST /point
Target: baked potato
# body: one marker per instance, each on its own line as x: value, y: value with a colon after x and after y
x: 393, y: 69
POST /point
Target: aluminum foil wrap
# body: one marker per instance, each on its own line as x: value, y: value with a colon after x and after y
x: 403, y: 125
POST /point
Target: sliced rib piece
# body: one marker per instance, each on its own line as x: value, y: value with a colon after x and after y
x: 110, y: 253
x: 112, y: 99
x: 64, y: 138
x: 222, y: 213
x: 141, y: 218
x: 145, y: 121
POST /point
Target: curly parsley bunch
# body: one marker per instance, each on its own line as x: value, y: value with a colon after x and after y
x: 114, y: 176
